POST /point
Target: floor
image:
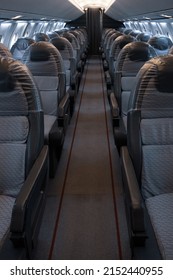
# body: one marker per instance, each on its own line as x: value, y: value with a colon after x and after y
x: 84, y: 216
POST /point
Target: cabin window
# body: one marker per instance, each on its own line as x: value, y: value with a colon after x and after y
x: 18, y: 32
x: 4, y: 30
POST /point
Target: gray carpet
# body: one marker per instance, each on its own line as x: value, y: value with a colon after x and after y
x: 84, y: 216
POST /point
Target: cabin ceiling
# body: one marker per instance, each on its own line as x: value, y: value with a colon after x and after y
x: 63, y: 10
x: 131, y: 9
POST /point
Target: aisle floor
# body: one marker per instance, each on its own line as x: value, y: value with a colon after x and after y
x: 84, y: 216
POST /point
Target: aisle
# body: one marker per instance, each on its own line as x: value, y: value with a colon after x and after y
x: 82, y: 214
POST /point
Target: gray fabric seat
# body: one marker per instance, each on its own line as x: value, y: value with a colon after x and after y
x: 23, y: 156
x: 82, y: 45
x: 40, y: 36
x: 72, y: 78
x: 110, y: 40
x: 135, y: 33
x: 20, y: 46
x: 6, y: 206
x: 130, y: 59
x: 47, y: 67
x: 160, y: 209
x: 127, y: 31
x: 161, y: 44
x: 53, y: 35
x: 103, y: 35
x: 76, y: 50
x: 147, y: 159
x: 105, y: 47
x: 4, y: 51
x: 113, y: 35
x: 116, y: 47
x: 143, y: 37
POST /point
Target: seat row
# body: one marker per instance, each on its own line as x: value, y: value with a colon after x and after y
x: 129, y: 56
x: 113, y: 41
x: 142, y: 110
x: 35, y: 108
x: 57, y: 73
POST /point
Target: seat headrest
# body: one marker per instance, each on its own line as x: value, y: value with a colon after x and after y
x: 144, y: 37
x: 23, y: 43
x: 68, y: 36
x: 53, y: 35
x: 124, y: 40
x: 139, y: 51
x: 127, y: 31
x: 7, y: 81
x: 134, y: 33
x: 41, y: 37
x: 59, y: 43
x: 39, y: 52
x: 116, y: 35
x: 164, y: 79
x: 160, y: 42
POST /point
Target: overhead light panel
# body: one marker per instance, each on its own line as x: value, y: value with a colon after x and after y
x: 147, y: 18
x: 166, y: 16
x: 84, y: 4
x: 16, y: 17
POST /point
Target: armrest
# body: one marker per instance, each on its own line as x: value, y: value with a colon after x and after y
x: 108, y: 80
x: 74, y: 77
x: 64, y: 111
x: 24, y: 211
x: 63, y: 105
x: 114, y: 109
x: 134, y: 200
x: 73, y: 65
x: 117, y: 85
x: 62, y: 85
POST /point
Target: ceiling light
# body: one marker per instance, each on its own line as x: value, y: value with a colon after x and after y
x: 16, y: 17
x: 147, y: 18
x: 84, y: 4
x: 166, y: 16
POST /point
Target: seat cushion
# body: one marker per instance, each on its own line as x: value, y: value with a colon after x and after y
x: 160, y: 209
x: 48, y: 124
x: 6, y: 206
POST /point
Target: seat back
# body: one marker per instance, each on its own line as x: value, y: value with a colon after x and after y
x: 53, y: 35
x: 150, y: 144
x: 21, y: 133
x: 73, y: 40
x: 106, y: 39
x: 4, y: 51
x: 82, y: 44
x: 66, y: 50
x: 135, y: 33
x: 130, y: 59
x: 76, y: 48
x: 161, y: 44
x: 127, y: 31
x: 20, y: 46
x: 144, y: 37
x: 104, y: 33
x: 150, y: 126
x: 46, y: 65
x: 113, y: 36
x: 41, y: 37
x: 116, y: 47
